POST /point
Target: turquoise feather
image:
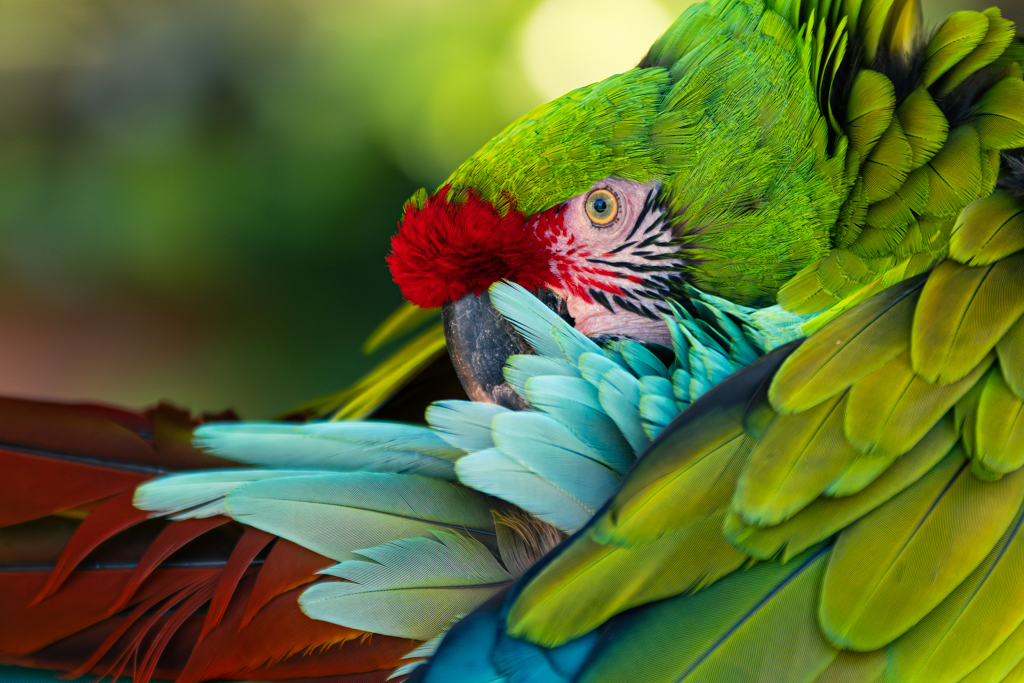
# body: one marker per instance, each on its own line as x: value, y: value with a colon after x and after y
x: 607, y: 402
x: 519, y: 369
x: 337, y: 514
x: 339, y: 446
x: 681, y: 387
x: 409, y: 588
x: 545, y: 447
x: 656, y: 412
x: 548, y: 334
x: 419, y: 656
x: 201, y: 494
x: 619, y: 395
x: 593, y: 366
x: 640, y: 360
x: 466, y: 425
x: 575, y: 403
x: 708, y: 366
x: 497, y: 474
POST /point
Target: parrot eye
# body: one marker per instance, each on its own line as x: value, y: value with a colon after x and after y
x: 602, y: 208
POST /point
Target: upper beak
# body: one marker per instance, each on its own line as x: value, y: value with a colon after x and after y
x: 480, y: 341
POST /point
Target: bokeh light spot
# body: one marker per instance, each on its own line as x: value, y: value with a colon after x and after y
x: 567, y: 44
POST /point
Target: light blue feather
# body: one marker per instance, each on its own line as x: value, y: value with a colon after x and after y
x: 658, y: 406
x: 464, y: 655
x: 656, y: 412
x: 548, y: 334
x: 418, y: 656
x: 338, y: 513
x: 619, y: 394
x: 772, y: 327
x: 708, y: 365
x: 657, y: 386
x: 340, y: 446
x: 641, y: 361
x: 464, y: 424
x: 410, y: 588
x: 738, y: 347
x: 723, y: 305
x: 611, y: 352
x: 594, y: 365
x: 574, y: 403
x: 200, y: 494
x: 497, y: 474
x: 681, y: 380
x: 680, y: 346
x: 546, y: 448
x: 520, y: 368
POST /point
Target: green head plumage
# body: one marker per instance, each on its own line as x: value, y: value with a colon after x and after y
x: 724, y: 112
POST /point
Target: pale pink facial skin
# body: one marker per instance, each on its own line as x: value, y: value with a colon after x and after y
x: 582, y: 241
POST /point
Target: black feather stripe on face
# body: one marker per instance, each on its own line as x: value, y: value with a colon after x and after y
x: 651, y: 252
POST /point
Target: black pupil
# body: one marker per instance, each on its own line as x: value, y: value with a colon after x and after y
x: 600, y: 205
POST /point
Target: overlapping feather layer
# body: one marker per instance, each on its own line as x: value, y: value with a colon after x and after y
x: 382, y: 498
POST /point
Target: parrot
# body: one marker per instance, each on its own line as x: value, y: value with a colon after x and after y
x: 733, y: 392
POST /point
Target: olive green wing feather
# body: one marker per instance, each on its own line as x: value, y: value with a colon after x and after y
x: 919, y: 509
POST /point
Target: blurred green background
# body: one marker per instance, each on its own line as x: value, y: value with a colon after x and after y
x: 196, y: 197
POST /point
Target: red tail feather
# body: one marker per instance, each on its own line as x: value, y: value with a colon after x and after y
x: 172, y: 593
x: 171, y: 539
x: 84, y: 600
x: 288, y: 566
x: 116, y: 593
x: 279, y: 640
x: 109, y: 519
x: 249, y: 546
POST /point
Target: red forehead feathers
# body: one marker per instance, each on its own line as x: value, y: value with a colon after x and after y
x: 447, y: 249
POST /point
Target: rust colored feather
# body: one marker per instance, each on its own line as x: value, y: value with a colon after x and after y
x: 110, y: 518
x: 288, y: 566
x: 59, y: 456
x: 118, y: 593
x: 39, y: 485
x: 83, y: 600
x: 171, y: 539
x: 282, y: 642
x: 248, y: 547
x: 201, y: 594
x: 86, y: 431
x: 168, y: 592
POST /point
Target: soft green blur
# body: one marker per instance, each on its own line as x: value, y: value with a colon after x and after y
x: 196, y: 197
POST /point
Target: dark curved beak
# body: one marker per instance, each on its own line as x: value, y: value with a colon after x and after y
x: 480, y: 340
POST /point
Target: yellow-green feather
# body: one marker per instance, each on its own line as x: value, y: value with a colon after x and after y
x: 892, y: 408
x: 826, y: 516
x: 796, y: 459
x: 893, y: 566
x: 968, y: 626
x: 962, y: 313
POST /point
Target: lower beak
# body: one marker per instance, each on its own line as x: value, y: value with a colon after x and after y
x: 480, y: 340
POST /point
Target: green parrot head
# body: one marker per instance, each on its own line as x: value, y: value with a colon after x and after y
x: 710, y: 164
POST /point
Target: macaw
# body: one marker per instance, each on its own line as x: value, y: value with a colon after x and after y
x: 741, y: 330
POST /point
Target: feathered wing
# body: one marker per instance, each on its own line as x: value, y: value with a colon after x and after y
x: 92, y: 584
x: 899, y: 561
x: 875, y: 466
x: 388, y: 508
x: 795, y: 515
x: 925, y: 121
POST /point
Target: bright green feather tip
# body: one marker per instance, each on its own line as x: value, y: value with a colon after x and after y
x: 724, y: 111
